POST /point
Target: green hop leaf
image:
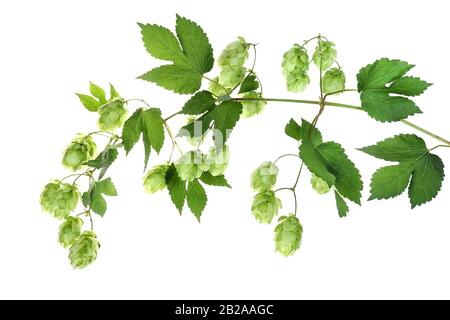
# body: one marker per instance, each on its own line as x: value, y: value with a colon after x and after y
x: 196, y: 198
x: 150, y: 124
x: 153, y: 129
x: 195, y: 45
x: 94, y: 197
x: 90, y: 103
x: 330, y: 162
x: 381, y: 72
x: 112, y: 115
x: 249, y: 84
x: 218, y: 160
x: 176, y: 187
x: 98, y: 98
x: 409, y: 86
x: 177, y: 78
x: 191, y: 165
x: 84, y: 250
x: 341, y: 205
x: 303, y: 132
x: 319, y: 185
x: 217, y: 181
x: 191, y: 54
x: 288, y: 235
x: 225, y: 118
x: 333, y: 80
x: 252, y: 108
x: 199, y: 103
x: 231, y: 76
x: 155, y: 179
x: 80, y: 150
x: 98, y: 92
x: 266, y: 206
x: 324, y: 55
x: 293, y: 130
x: 104, y: 160
x: 69, y: 231
x: 373, y: 84
x: 113, y: 92
x: 59, y: 199
x: 417, y: 167
x: 235, y: 54
x: 264, y: 177
x: 132, y: 130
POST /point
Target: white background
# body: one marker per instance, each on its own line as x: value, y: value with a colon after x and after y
x: 51, y: 49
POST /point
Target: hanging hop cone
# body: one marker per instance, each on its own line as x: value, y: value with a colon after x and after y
x: 295, y: 59
x: 324, y: 55
x: 319, y: 185
x: 295, y: 67
x: 333, y: 80
x: 112, y: 115
x: 80, y: 150
x: 215, y: 88
x: 265, y: 206
x: 191, y: 165
x: 252, y: 108
x: 84, y: 250
x: 155, y: 179
x: 235, y: 54
x: 297, y: 81
x: 231, y: 76
x: 59, y: 199
x: 288, y: 235
x: 218, y: 161
x: 264, y: 177
x: 69, y: 231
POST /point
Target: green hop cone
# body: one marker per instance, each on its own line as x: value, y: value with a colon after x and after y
x: 319, y: 185
x: 216, y: 88
x: 333, y: 80
x: 112, y: 115
x: 252, y: 108
x: 80, y: 150
x: 297, y: 81
x: 155, y: 179
x: 84, y: 250
x: 69, y: 231
x: 191, y: 165
x: 325, y: 54
x: 231, y: 76
x: 288, y: 235
x: 295, y: 59
x: 264, y: 177
x: 265, y: 206
x: 295, y: 67
x: 235, y: 54
x: 59, y: 199
x: 218, y: 162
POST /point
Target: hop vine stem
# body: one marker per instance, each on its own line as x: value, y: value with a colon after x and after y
x: 346, y: 106
x: 174, y: 141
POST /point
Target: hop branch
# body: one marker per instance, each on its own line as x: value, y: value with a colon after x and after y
x: 235, y: 93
